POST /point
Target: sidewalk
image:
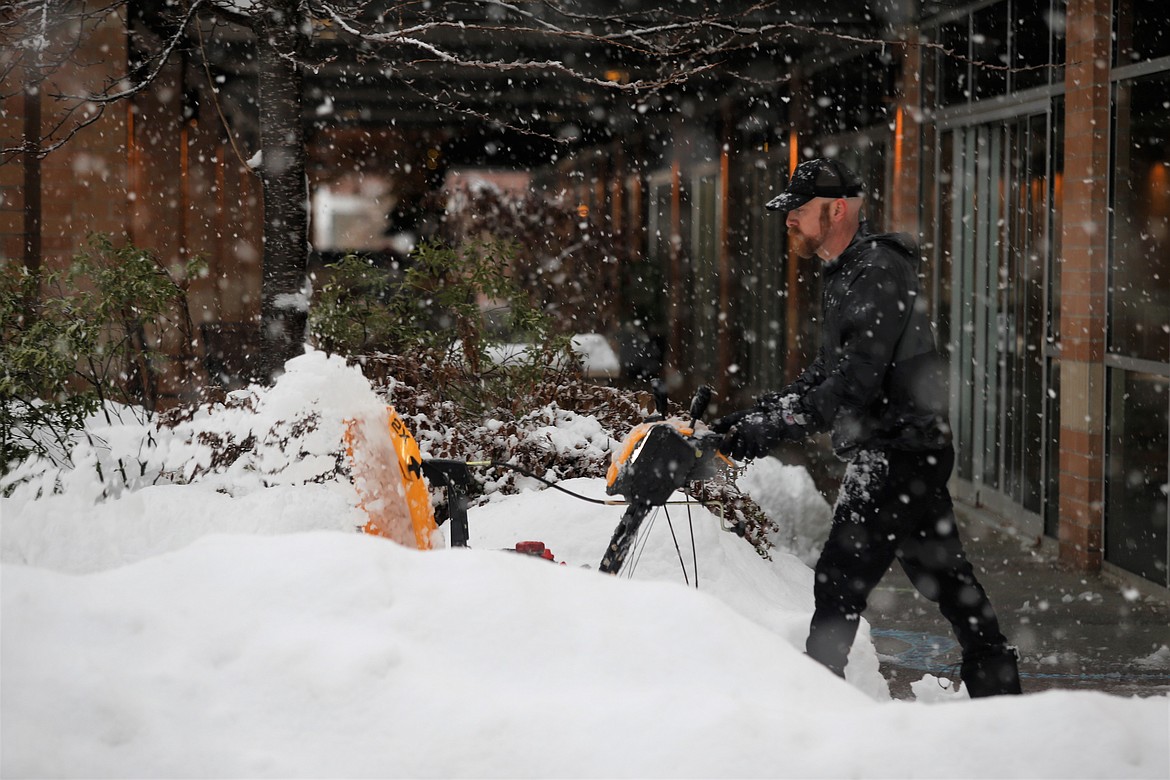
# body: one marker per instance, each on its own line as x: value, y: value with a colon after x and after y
x: 1074, y: 631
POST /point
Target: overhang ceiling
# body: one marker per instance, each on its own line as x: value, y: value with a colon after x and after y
x: 745, y: 48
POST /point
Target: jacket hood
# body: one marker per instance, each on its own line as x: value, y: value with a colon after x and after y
x: 901, y: 243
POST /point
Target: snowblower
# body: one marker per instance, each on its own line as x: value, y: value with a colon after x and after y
x: 657, y: 457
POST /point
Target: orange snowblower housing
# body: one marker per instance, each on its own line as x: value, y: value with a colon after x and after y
x: 387, y: 472
x: 629, y: 450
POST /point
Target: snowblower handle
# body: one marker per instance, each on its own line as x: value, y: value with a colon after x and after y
x: 699, y: 403
x: 658, y: 388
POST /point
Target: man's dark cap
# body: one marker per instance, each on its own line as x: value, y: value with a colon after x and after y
x: 820, y: 178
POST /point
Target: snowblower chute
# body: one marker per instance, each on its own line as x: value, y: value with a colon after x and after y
x: 388, y: 474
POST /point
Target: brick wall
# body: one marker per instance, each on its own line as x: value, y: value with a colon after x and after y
x: 193, y: 197
x: 83, y: 183
x: 146, y: 174
x: 12, y: 113
x: 1084, y: 280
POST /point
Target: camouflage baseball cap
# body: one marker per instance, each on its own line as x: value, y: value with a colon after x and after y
x: 820, y: 178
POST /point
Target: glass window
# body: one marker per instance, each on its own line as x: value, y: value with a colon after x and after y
x: 977, y: 54
x: 659, y: 233
x: 1055, y: 257
x: 1058, y: 21
x: 683, y: 283
x: 1139, y: 327
x: 1135, y: 525
x: 1140, y: 304
x: 944, y: 196
x: 867, y: 157
x: 1051, y: 507
x: 954, y: 77
x: 1031, y: 31
x: 761, y: 286
x: 989, y: 49
x: 1141, y: 30
x: 642, y: 290
x: 1022, y: 288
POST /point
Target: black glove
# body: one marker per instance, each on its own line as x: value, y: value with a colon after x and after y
x: 800, y: 417
x: 753, y: 432
x: 749, y: 433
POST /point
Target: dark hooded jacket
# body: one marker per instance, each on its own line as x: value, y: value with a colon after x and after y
x: 878, y: 381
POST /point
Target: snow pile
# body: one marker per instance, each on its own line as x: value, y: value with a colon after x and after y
x: 1159, y: 659
x: 789, y: 498
x: 288, y: 475
x: 287, y: 435
x: 68, y: 535
x: 932, y: 690
x: 341, y: 655
x: 597, y: 356
x: 297, y: 426
x: 238, y: 627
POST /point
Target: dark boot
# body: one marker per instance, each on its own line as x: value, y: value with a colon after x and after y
x: 991, y: 671
x: 829, y: 638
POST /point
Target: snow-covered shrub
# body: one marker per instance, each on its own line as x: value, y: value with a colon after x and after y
x: 290, y: 434
x: 294, y: 433
x: 446, y: 312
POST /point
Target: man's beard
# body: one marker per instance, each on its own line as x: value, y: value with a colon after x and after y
x: 806, y: 246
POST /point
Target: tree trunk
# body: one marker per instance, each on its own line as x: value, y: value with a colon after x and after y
x: 32, y: 189
x: 284, y: 304
x: 32, y: 173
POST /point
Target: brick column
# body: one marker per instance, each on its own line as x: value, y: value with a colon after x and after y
x: 905, y: 189
x: 1083, y: 284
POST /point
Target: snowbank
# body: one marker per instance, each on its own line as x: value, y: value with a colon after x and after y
x: 341, y: 655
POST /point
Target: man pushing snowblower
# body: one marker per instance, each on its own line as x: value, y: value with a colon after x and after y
x: 879, y: 386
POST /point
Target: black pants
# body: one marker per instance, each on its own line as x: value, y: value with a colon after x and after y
x: 895, y: 505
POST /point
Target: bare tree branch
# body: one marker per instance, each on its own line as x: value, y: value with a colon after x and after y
x: 161, y: 60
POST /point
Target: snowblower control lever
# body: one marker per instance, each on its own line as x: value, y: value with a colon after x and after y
x: 699, y: 403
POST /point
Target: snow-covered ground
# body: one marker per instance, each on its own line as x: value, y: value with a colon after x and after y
x: 238, y: 626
